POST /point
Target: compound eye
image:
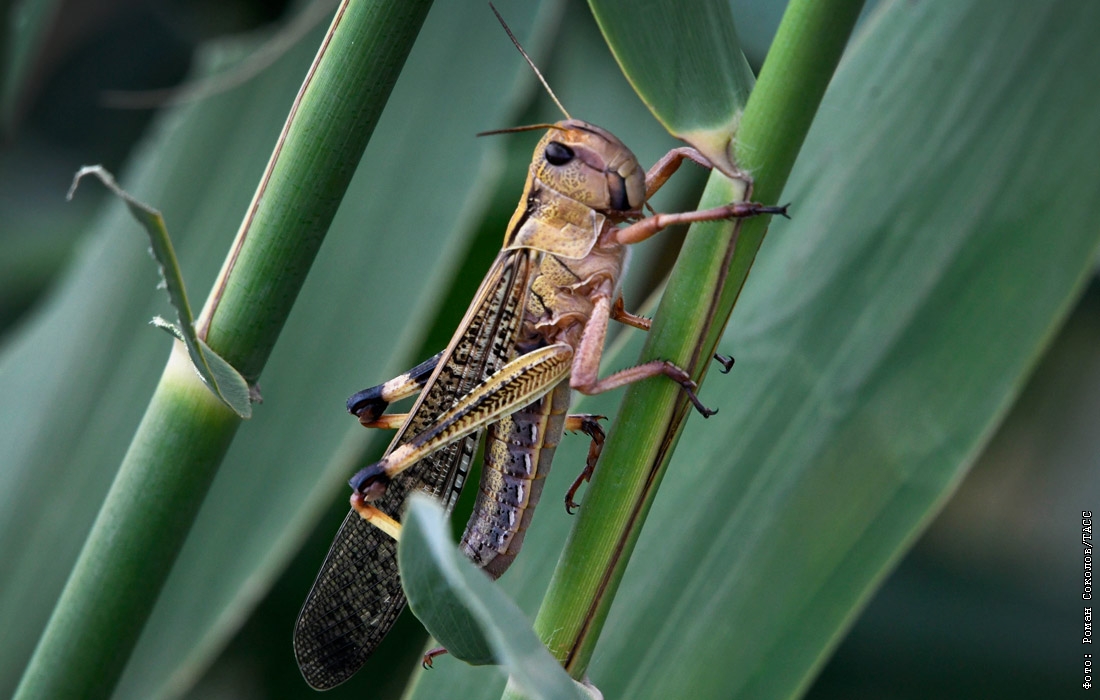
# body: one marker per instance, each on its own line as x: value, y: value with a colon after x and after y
x: 558, y: 153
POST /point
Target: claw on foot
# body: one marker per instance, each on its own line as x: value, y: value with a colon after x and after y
x: 681, y: 377
x: 780, y: 210
x: 726, y: 361
x: 747, y: 209
x: 426, y: 662
x: 571, y: 506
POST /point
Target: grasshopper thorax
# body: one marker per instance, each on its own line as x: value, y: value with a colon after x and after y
x: 580, y: 176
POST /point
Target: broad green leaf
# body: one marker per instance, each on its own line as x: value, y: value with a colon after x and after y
x: 436, y: 589
x: 466, y: 612
x: 23, y: 26
x: 218, y: 375
x: 879, y: 339
x: 685, y: 62
x: 986, y: 582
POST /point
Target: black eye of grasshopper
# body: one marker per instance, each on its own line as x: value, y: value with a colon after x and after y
x: 558, y: 153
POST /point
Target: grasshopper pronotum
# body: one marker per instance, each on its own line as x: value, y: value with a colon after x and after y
x: 533, y: 333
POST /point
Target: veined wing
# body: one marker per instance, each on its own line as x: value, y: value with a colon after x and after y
x: 357, y: 594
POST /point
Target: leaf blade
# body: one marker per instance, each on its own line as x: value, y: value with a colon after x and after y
x: 696, y: 88
x: 466, y: 612
x: 219, y: 376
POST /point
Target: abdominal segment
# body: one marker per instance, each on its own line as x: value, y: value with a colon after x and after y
x: 518, y: 451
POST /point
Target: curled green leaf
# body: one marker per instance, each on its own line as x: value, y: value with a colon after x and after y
x: 222, y: 379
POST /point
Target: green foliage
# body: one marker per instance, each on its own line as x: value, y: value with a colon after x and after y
x: 465, y: 611
x: 944, y: 207
x: 685, y: 63
x: 226, y: 382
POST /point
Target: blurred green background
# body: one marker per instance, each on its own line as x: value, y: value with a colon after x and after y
x: 986, y: 601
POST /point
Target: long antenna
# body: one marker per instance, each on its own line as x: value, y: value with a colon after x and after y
x: 517, y: 129
x: 530, y: 62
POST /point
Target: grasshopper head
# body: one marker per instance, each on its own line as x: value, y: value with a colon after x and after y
x: 580, y: 178
x: 591, y: 166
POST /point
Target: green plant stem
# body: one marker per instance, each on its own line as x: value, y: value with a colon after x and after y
x: 320, y: 147
x: 186, y: 431
x: 708, y: 276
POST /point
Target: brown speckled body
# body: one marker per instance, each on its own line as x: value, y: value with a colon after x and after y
x: 564, y: 213
x: 519, y: 343
x: 519, y: 449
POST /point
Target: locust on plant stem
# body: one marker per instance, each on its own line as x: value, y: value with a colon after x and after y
x: 532, y: 335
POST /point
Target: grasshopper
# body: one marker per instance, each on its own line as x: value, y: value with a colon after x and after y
x: 533, y: 334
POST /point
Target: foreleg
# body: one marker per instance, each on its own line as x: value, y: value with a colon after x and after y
x: 586, y: 363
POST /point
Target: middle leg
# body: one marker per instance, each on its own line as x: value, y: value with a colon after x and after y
x: 586, y: 363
